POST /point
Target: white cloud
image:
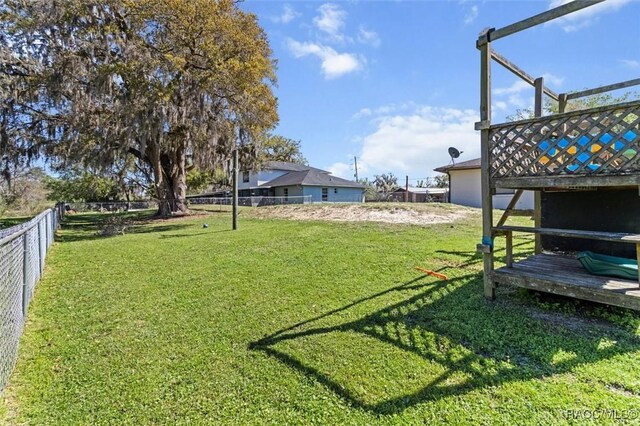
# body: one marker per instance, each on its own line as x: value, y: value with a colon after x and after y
x: 585, y: 17
x: 416, y: 142
x: 364, y: 112
x: 343, y: 170
x: 631, y: 63
x: 518, y: 86
x: 331, y: 21
x: 500, y: 106
x: 369, y: 37
x: 334, y: 64
x: 288, y: 15
x: 552, y: 80
x: 520, y: 94
x: 518, y: 101
x: 383, y: 110
x: 471, y: 15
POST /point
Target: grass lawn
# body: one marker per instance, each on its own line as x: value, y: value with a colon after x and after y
x: 8, y: 222
x: 285, y: 322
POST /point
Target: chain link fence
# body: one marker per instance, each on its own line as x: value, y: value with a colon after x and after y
x: 221, y: 202
x: 23, y: 249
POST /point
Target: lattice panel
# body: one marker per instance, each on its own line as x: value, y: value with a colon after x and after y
x: 600, y: 141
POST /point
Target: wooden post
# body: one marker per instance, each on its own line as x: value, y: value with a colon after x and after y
x: 235, y: 190
x: 562, y: 103
x: 562, y: 107
x: 509, y: 248
x: 487, y: 201
x: 537, y: 197
x: 406, y: 190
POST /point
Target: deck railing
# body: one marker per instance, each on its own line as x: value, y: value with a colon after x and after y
x: 598, y: 141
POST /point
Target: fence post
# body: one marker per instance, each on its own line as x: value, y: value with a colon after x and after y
x: 25, y: 283
x: 40, y: 257
x: 46, y: 234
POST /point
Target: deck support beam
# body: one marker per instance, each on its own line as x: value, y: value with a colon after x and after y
x: 485, y: 147
x: 541, y: 18
x: 509, y: 248
x: 511, y: 207
x: 537, y: 197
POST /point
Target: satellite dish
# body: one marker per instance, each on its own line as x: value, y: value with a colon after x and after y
x: 454, y: 153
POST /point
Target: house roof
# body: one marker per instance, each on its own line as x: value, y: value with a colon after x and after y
x: 285, y: 166
x: 311, y: 177
x: 464, y: 165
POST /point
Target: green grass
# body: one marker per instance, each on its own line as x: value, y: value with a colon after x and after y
x: 8, y: 222
x: 284, y: 322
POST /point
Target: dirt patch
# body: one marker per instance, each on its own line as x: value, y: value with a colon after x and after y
x: 367, y: 213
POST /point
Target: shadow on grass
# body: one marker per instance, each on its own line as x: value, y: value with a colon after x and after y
x: 475, y: 258
x: 169, y: 236
x: 467, y: 343
x: 86, y: 226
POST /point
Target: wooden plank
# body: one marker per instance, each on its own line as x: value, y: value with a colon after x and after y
x: 602, y: 89
x: 574, y: 274
x: 566, y: 181
x: 563, y: 275
x: 603, y: 284
x: 626, y: 299
x: 575, y: 233
x: 541, y: 18
x: 509, y: 249
x: 510, y: 66
x: 521, y: 212
x: 485, y: 150
x: 577, y: 276
x: 590, y: 111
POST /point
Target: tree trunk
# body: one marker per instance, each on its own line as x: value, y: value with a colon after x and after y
x: 179, y: 179
x: 160, y: 181
x: 170, y: 179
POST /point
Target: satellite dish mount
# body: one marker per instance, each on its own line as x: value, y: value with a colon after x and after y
x: 454, y: 153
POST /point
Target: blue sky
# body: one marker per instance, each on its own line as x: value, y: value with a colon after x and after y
x: 396, y: 83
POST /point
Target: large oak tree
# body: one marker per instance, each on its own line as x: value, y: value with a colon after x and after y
x: 171, y: 83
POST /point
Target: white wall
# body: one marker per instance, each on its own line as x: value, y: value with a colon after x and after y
x: 467, y: 191
x: 258, y: 178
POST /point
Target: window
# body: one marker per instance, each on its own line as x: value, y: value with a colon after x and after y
x: 325, y: 194
x: 245, y: 176
x: 286, y: 193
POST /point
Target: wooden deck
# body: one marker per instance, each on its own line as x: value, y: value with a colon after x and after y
x: 565, y: 276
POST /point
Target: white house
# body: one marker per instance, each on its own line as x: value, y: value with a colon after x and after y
x: 465, y: 188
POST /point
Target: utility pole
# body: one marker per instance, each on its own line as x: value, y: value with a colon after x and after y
x: 235, y: 189
x: 406, y: 190
x: 355, y: 163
